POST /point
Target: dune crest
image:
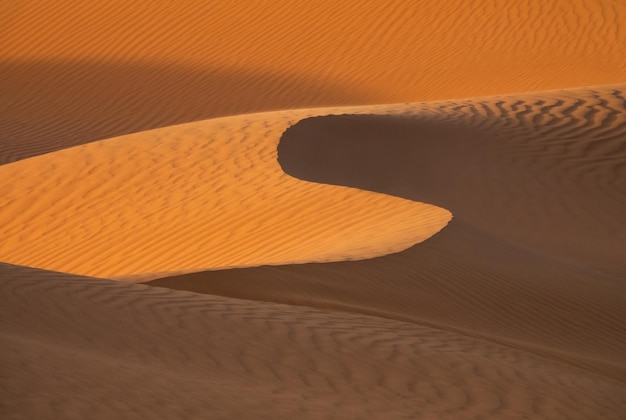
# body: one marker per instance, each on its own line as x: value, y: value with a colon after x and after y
x: 534, y: 257
x: 285, y: 209
x: 203, y: 195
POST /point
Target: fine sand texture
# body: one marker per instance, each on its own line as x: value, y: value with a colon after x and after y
x: 74, y: 72
x: 326, y: 210
x: 494, y: 277
x: 517, y: 263
x: 98, y: 349
x: 209, y: 194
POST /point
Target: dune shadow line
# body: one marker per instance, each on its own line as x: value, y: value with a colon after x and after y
x: 51, y: 105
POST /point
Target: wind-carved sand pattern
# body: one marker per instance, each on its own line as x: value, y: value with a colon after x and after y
x: 203, y: 195
x: 320, y: 273
x: 94, y: 348
x: 101, y: 69
x: 469, y: 323
x: 520, y: 260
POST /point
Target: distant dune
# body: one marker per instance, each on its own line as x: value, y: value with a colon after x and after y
x: 363, y: 209
x: 517, y: 261
x: 74, y: 72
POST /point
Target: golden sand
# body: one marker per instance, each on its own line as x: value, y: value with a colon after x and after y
x: 240, y: 153
x: 203, y: 195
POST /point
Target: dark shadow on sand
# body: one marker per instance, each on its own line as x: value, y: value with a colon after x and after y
x: 51, y: 105
x: 479, y: 275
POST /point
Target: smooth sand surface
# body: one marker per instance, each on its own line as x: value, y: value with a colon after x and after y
x: 308, y: 251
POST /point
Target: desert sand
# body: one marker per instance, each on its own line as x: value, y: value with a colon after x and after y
x: 330, y: 210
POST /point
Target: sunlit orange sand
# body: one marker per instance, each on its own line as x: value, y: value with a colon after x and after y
x: 322, y: 227
x: 187, y: 197
x: 73, y: 72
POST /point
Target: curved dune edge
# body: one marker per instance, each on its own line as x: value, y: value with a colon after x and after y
x: 542, y: 170
x: 534, y: 256
x: 514, y: 310
x: 202, y: 195
x: 107, y: 349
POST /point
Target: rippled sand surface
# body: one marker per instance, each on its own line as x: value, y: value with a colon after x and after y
x: 374, y: 209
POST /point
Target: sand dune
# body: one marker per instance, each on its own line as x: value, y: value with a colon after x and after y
x: 494, y: 275
x: 73, y: 73
x: 494, y: 163
x: 186, y: 198
x: 190, y: 193
x: 347, y: 237
x: 58, y: 104
x: 518, y: 262
x: 137, y: 351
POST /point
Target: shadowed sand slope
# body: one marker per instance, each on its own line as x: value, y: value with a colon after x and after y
x: 75, y: 347
x: 546, y: 172
x: 203, y: 195
x: 56, y: 104
x: 535, y: 254
x: 167, y: 139
x: 78, y: 72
